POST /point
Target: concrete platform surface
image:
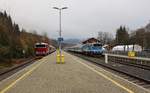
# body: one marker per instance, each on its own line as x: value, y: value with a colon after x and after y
x: 75, y: 76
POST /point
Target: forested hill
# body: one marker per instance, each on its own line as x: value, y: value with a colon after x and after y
x: 13, y: 40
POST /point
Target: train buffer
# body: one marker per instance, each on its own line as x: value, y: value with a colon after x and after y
x: 75, y: 76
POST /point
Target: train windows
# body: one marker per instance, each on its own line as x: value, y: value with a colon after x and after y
x: 40, y: 46
x: 97, y: 45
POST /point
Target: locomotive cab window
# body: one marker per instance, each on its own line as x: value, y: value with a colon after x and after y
x: 40, y: 46
x: 97, y: 45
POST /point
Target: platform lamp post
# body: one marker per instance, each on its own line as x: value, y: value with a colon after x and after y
x: 60, y: 39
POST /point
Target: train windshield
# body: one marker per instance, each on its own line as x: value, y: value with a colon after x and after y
x: 96, y: 48
x: 97, y: 45
x: 40, y: 46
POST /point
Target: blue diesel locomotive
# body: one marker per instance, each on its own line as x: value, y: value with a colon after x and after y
x: 89, y: 49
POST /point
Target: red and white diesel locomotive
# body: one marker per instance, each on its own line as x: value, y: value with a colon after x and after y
x: 43, y: 49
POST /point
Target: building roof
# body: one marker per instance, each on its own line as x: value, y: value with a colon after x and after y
x: 91, y: 40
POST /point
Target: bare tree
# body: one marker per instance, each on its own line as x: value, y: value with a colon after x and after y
x: 105, y: 37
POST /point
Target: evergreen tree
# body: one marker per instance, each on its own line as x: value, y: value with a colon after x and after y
x: 122, y: 36
x: 13, y: 41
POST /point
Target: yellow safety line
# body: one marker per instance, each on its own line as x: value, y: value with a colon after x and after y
x: 23, y: 76
x: 106, y: 77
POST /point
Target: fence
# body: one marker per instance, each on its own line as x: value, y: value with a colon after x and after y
x: 126, y: 59
x: 137, y: 54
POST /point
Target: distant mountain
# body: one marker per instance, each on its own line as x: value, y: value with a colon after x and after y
x: 72, y: 41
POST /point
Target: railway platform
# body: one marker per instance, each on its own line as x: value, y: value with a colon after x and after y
x: 75, y: 76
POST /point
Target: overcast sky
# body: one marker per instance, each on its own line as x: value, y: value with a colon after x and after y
x: 83, y: 18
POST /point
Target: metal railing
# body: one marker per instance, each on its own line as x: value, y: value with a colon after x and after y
x: 138, y: 54
x: 127, y: 60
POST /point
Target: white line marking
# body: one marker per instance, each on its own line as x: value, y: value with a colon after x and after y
x: 21, y: 77
x: 106, y: 77
x: 117, y: 76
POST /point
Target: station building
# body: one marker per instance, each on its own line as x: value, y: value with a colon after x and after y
x: 91, y: 40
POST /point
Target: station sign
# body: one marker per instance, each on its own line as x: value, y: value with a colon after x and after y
x: 60, y: 39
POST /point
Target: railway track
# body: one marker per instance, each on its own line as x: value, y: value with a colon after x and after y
x: 14, y: 69
x: 10, y: 71
x: 131, y: 73
x: 131, y: 62
x: 135, y: 65
x: 146, y: 67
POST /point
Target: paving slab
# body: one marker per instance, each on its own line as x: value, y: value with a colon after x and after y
x: 72, y: 77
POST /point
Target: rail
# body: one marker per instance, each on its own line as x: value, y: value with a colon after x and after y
x: 140, y: 76
x: 140, y: 62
